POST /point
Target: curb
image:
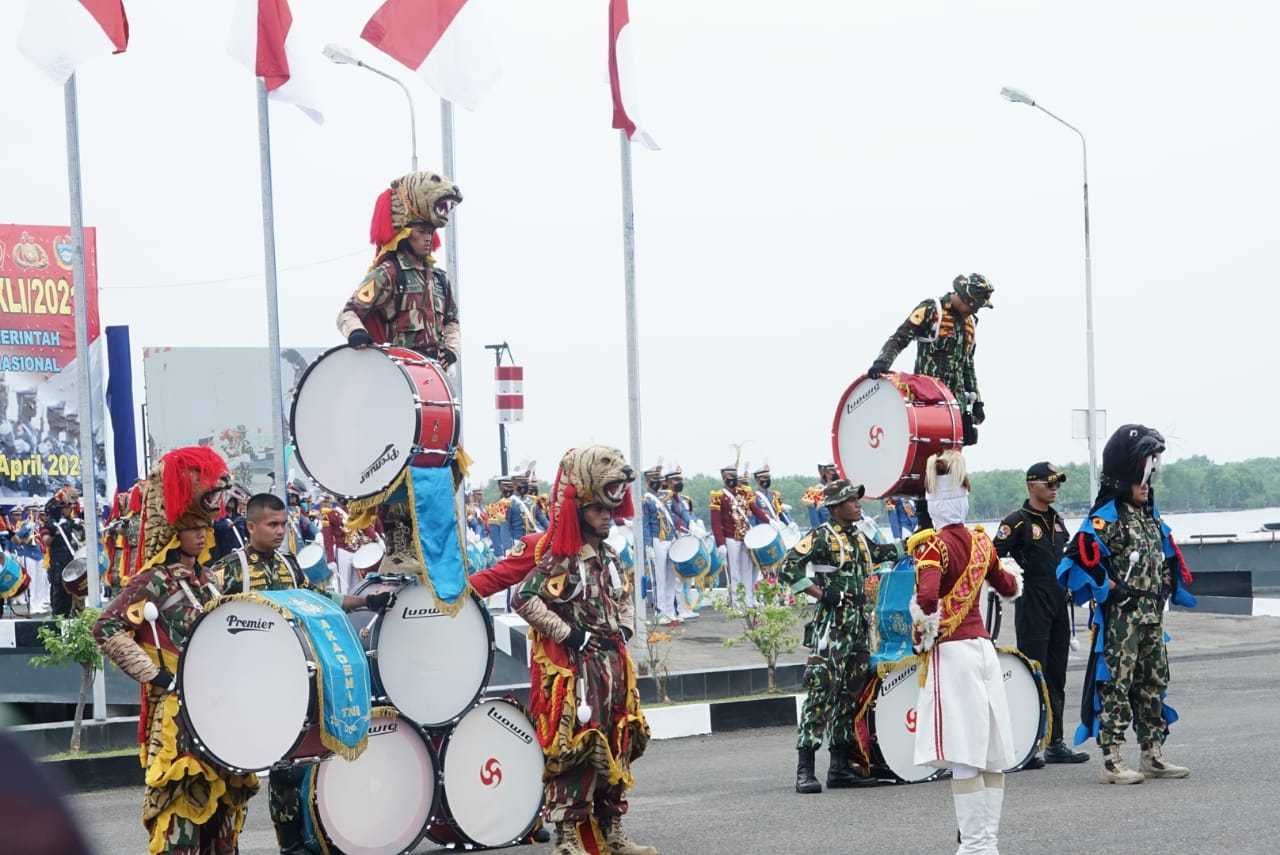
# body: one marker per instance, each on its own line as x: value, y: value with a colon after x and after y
x: 675, y: 722
x: 90, y: 774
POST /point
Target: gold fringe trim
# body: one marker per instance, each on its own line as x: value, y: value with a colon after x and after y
x: 1038, y: 670
x: 885, y: 668
x: 309, y: 784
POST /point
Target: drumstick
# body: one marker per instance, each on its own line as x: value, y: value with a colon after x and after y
x: 150, y: 613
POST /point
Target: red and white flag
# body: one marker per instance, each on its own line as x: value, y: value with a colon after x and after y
x: 446, y: 41
x: 509, y: 401
x: 61, y: 35
x: 267, y: 40
x: 622, y: 76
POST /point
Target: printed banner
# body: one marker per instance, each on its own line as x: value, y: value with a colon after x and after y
x: 40, y: 419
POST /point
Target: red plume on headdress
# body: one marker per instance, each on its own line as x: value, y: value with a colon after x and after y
x: 135, y: 498
x: 381, y: 230
x: 566, y: 535
x: 179, y: 485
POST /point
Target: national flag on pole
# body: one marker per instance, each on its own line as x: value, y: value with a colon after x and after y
x: 446, y: 41
x: 510, y: 398
x: 622, y: 76
x: 266, y: 39
x: 61, y: 35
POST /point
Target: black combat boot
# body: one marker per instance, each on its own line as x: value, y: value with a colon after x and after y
x: 805, y: 780
x: 839, y: 775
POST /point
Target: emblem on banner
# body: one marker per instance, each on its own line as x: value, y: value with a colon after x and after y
x: 62, y: 251
x: 29, y: 255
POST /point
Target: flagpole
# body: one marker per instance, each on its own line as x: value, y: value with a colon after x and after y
x: 451, y: 241
x: 273, y: 307
x: 88, y: 481
x: 633, y: 368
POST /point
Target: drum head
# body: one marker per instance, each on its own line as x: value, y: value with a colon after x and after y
x: 243, y: 683
x: 382, y: 800
x: 432, y: 667
x: 74, y: 569
x: 684, y: 548
x: 1026, y: 708
x: 893, y: 724
x: 760, y: 536
x: 493, y: 774
x: 354, y: 421
x: 871, y: 438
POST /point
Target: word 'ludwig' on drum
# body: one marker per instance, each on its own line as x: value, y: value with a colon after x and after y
x: 382, y: 800
x: 492, y: 782
x: 360, y: 416
x: 892, y: 720
x: 429, y: 665
x: 885, y: 430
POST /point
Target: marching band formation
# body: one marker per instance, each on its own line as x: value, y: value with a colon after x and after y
x: 343, y: 642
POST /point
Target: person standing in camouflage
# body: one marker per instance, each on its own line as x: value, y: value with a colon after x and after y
x: 266, y: 569
x: 831, y: 564
x: 1124, y: 558
x: 944, y: 331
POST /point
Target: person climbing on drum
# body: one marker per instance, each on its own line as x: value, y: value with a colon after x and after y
x: 405, y: 300
x: 831, y: 564
x: 944, y: 330
x: 270, y: 570
x: 190, y: 804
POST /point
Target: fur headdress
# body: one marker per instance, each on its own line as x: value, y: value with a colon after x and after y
x: 419, y: 197
x: 593, y: 474
x: 184, y: 490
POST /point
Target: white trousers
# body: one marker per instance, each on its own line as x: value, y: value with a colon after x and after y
x: 665, y: 589
x: 39, y: 590
x: 963, y: 716
x: 742, y: 570
x: 346, y: 578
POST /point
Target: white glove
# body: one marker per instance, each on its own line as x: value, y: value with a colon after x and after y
x: 650, y: 554
x: 722, y: 552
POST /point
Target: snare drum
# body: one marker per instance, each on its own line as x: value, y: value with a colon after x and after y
x: 492, y: 778
x: 379, y: 802
x: 1024, y: 690
x: 690, y: 557
x: 368, y: 558
x: 885, y: 430
x: 891, y: 722
x: 75, y: 576
x: 13, y: 578
x: 430, y: 666
x: 249, y: 687
x: 312, y: 561
x: 765, y: 545
x: 360, y: 417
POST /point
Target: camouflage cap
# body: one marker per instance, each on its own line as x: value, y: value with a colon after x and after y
x: 840, y: 491
x: 975, y: 289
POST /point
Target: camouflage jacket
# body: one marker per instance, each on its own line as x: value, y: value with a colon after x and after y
x: 591, y: 592
x: 422, y: 317
x: 944, y: 349
x: 268, y: 571
x: 1137, y: 558
x: 840, y: 558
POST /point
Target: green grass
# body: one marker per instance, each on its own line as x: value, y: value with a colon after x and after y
x: 115, y: 752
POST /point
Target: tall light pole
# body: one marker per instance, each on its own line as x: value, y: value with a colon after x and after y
x: 1020, y: 97
x: 342, y: 56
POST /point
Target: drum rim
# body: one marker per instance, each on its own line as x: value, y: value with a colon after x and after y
x: 293, y: 409
x: 875, y: 742
x: 375, y: 672
x: 436, y: 784
x: 1042, y: 723
x: 201, y: 746
x: 442, y: 800
x: 417, y: 413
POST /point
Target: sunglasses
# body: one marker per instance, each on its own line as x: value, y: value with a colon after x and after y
x: 1053, y: 481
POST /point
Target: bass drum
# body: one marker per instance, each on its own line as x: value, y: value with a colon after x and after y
x: 891, y: 720
x: 430, y: 666
x: 1026, y: 694
x: 492, y: 789
x: 360, y: 416
x: 379, y: 803
x: 885, y: 430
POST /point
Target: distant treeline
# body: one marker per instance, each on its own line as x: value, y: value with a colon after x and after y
x: 1191, y: 484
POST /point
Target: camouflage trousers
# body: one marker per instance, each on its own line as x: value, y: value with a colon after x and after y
x: 284, y: 795
x: 218, y: 836
x: 834, y: 678
x: 577, y: 793
x: 1135, y: 655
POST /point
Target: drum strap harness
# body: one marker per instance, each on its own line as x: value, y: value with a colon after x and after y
x: 288, y: 560
x: 437, y: 287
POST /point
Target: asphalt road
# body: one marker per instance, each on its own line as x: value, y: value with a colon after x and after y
x: 733, y: 792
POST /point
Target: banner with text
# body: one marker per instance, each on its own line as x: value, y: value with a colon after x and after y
x: 40, y: 419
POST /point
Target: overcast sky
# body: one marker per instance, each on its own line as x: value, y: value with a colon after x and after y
x: 823, y: 167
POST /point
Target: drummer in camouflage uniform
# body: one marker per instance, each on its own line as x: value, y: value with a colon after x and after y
x: 404, y: 300
x: 832, y: 564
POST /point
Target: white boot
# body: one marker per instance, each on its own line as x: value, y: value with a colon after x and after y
x: 994, y: 792
x: 971, y: 815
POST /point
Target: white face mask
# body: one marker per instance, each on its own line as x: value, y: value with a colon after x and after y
x: 949, y: 511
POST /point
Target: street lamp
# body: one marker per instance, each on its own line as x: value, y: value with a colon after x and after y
x: 342, y: 56
x: 1019, y: 97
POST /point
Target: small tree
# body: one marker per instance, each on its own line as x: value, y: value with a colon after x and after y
x: 72, y: 641
x: 769, y: 625
x: 657, y: 644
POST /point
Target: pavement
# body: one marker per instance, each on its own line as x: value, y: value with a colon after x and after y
x: 733, y: 792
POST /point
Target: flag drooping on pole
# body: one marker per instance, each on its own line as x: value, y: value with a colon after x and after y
x: 510, y: 400
x: 61, y: 35
x: 446, y: 41
x: 266, y: 39
x: 622, y: 77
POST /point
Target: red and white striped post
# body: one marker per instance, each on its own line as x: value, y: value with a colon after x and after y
x: 510, y: 389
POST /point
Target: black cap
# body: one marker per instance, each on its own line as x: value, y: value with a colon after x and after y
x: 1047, y: 472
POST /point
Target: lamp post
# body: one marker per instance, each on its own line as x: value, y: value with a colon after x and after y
x: 1020, y: 97
x: 342, y: 56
